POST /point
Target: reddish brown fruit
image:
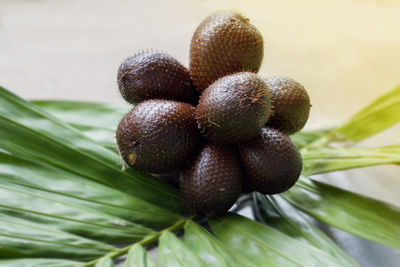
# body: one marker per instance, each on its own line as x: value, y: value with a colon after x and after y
x: 234, y: 108
x: 291, y: 104
x: 224, y: 43
x: 157, y: 136
x: 152, y: 75
x: 211, y: 183
x: 272, y: 162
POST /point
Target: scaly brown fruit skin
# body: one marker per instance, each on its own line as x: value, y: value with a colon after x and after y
x: 246, y: 188
x: 234, y: 108
x: 291, y: 104
x: 157, y: 136
x: 272, y: 162
x: 211, y: 183
x: 154, y: 75
x: 224, y: 43
x: 171, y: 178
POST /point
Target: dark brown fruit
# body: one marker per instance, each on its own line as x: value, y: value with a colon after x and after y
x: 224, y: 43
x: 171, y: 178
x: 157, y: 136
x: 211, y: 183
x: 151, y: 75
x: 291, y: 104
x: 234, y: 108
x: 246, y: 188
x: 272, y: 162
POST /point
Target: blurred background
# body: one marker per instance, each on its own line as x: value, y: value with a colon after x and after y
x: 345, y: 52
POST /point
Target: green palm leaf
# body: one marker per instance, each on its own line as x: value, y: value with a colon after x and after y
x: 208, y: 248
x: 22, y: 238
x: 38, y: 263
x: 105, y: 262
x: 301, y: 139
x: 368, y: 218
x: 138, y: 257
x: 273, y: 211
x: 266, y: 246
x: 72, y: 188
x: 334, y: 159
x: 59, y: 213
x: 96, y: 121
x: 65, y: 200
x: 87, y: 114
x: 173, y: 252
x: 374, y: 118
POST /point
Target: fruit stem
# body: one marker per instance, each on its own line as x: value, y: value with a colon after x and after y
x: 152, y: 238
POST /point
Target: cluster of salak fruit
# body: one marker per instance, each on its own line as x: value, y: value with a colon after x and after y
x: 217, y: 126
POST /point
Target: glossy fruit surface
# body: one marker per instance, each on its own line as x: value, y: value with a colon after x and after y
x: 234, y: 108
x: 157, y: 136
x: 291, y: 104
x: 224, y: 43
x: 154, y: 75
x: 272, y: 161
x: 211, y: 183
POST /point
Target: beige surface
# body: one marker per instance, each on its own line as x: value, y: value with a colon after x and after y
x: 345, y: 52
